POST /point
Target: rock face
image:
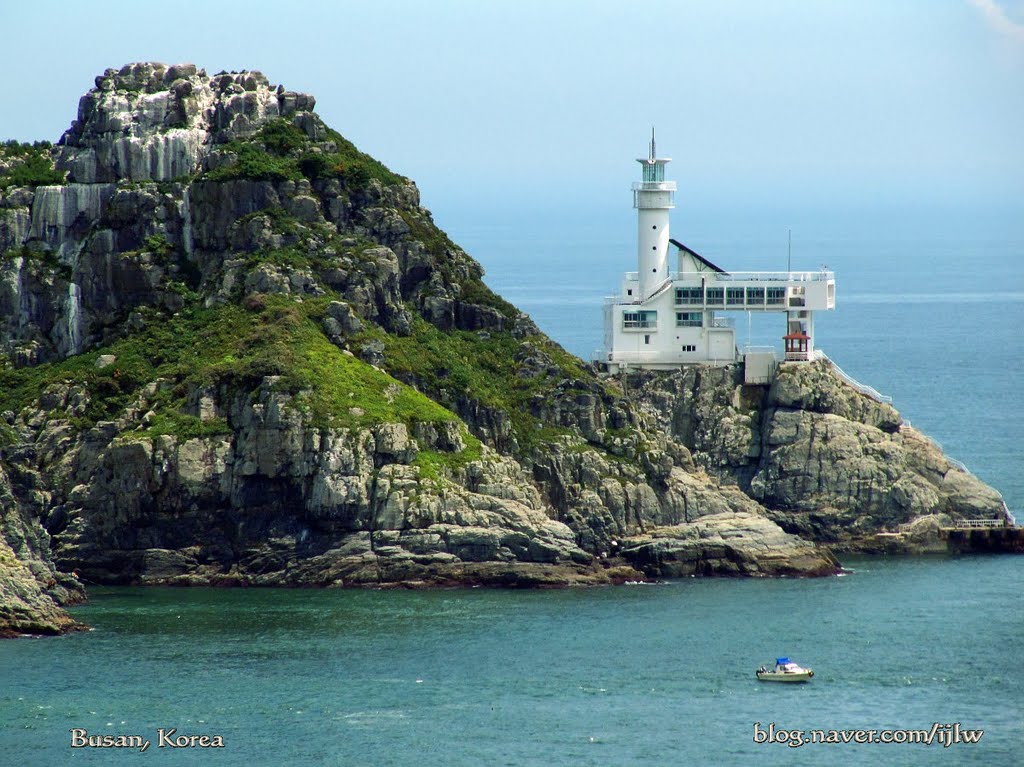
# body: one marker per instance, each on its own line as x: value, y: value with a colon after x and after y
x: 151, y: 122
x: 726, y: 544
x: 278, y: 503
x: 827, y: 461
x: 266, y: 365
x: 110, y: 232
x: 31, y: 588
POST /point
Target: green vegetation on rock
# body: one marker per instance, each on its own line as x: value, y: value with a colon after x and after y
x: 23, y: 164
x: 47, y: 258
x: 281, y: 151
x: 485, y: 367
x: 205, y: 348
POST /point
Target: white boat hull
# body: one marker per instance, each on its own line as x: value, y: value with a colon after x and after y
x: 785, y: 676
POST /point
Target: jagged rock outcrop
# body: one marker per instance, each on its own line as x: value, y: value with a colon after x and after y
x: 110, y: 234
x: 726, y: 544
x: 31, y: 588
x: 283, y: 503
x: 268, y: 366
x: 828, y: 462
x: 152, y: 122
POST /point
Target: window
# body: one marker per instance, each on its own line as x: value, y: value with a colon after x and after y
x: 755, y: 296
x: 689, y: 319
x: 654, y: 172
x: 734, y: 296
x: 715, y: 296
x: 776, y: 296
x: 689, y: 296
x: 689, y: 348
x: 647, y: 339
x: 629, y: 291
x: 637, y: 320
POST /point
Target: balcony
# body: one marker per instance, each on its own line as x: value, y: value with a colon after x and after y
x: 820, y: 276
x: 654, y: 186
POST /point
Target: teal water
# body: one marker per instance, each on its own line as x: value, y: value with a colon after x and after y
x: 658, y: 674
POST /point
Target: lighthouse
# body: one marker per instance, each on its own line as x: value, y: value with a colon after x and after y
x: 653, y: 198
x: 662, y: 319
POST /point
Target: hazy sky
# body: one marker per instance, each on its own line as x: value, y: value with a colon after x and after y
x: 835, y: 102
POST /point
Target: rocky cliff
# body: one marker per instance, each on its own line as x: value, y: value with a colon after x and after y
x: 237, y: 351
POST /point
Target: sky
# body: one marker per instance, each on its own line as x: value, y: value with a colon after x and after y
x: 548, y: 103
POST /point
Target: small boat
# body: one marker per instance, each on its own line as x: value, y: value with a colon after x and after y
x: 785, y: 671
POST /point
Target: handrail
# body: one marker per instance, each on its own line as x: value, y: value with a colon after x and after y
x: 975, y: 524
x: 970, y: 524
x: 955, y: 463
x: 862, y: 388
x: 819, y: 276
x: 1009, y: 515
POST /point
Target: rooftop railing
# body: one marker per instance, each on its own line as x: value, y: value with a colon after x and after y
x: 819, y: 276
x: 654, y: 186
x: 822, y: 276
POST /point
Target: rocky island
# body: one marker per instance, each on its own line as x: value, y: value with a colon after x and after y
x: 235, y: 350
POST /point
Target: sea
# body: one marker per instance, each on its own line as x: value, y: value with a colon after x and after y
x: 930, y: 307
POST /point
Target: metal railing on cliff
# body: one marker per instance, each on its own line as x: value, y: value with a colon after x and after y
x: 862, y: 388
x: 941, y: 448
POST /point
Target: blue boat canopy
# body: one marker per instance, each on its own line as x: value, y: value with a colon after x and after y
x: 782, y: 661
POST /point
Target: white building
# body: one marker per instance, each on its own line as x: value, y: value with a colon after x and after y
x: 662, y: 319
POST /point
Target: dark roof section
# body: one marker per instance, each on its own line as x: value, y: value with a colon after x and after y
x: 698, y: 256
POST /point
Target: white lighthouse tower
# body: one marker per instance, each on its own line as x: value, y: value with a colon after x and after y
x: 653, y: 198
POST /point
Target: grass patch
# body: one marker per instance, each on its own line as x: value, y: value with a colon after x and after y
x: 348, y: 162
x: 255, y: 163
x: 186, y: 426
x: 340, y: 390
x: 446, y: 364
x: 435, y: 464
x: 474, y: 291
x: 235, y: 347
x: 281, y: 151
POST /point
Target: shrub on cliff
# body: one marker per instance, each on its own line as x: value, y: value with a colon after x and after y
x: 27, y: 165
x: 281, y: 151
